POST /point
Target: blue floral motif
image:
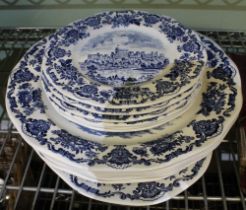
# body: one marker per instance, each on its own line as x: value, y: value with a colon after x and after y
x: 222, y: 72
x: 140, y: 152
x: 190, y: 46
x: 36, y: 128
x: 76, y: 144
x: 119, y: 157
x: 194, y: 170
x: 25, y: 98
x: 66, y: 69
x: 104, y: 94
x: 207, y: 128
x: 151, y: 19
x: 93, y: 22
x: 118, y: 187
x: 87, y: 90
x: 149, y: 190
x: 124, y: 19
x: 173, y: 32
x: 23, y: 75
x: 70, y: 35
x: 30, y: 99
x: 73, y: 33
x: 59, y: 52
x: 180, y: 69
x: 161, y: 146
x: 164, y: 87
x: 214, y: 99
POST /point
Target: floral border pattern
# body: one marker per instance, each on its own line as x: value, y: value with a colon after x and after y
x: 63, y: 75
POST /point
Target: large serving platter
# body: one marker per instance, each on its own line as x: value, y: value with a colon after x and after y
x: 137, y: 194
x: 219, y: 108
x: 123, y: 59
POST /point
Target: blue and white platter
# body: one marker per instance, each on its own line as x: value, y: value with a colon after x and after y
x: 220, y: 104
x: 141, y: 193
x: 123, y: 59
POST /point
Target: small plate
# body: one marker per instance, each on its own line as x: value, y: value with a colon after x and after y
x: 123, y: 59
x: 137, y: 194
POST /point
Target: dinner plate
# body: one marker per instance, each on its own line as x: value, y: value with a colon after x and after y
x: 120, y: 119
x: 219, y: 108
x: 82, y: 109
x: 123, y: 178
x: 113, y: 138
x: 123, y: 59
x: 114, y: 111
x: 116, y: 119
x: 137, y: 194
x: 128, y: 126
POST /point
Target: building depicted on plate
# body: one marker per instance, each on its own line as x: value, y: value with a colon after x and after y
x: 125, y: 59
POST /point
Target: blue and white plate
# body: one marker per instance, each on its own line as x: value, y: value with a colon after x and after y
x: 70, y: 106
x: 135, y: 177
x: 219, y: 108
x: 113, y: 138
x: 123, y: 59
x: 131, y: 125
x: 141, y: 193
x: 117, y: 119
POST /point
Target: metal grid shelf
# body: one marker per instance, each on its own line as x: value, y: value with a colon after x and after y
x: 27, y: 183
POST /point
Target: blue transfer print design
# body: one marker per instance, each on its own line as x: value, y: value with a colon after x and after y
x: 30, y: 99
x: 145, y: 191
x: 207, y: 128
x: 80, y: 106
x: 123, y: 67
x: 120, y: 66
x: 46, y: 134
x: 97, y: 118
x: 223, y: 70
x: 36, y: 128
x: 214, y: 99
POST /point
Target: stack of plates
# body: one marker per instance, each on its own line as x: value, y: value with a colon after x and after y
x: 126, y: 107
